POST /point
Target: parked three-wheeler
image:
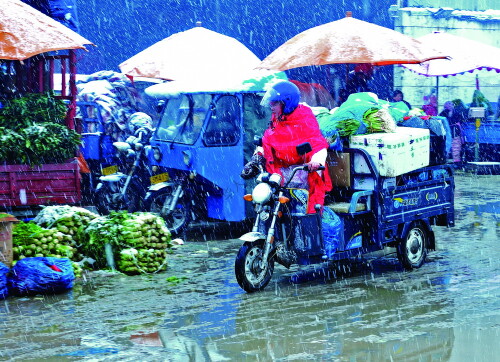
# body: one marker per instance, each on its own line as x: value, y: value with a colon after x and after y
x: 198, y: 151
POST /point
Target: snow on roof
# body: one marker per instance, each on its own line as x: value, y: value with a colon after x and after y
x: 214, y: 85
x: 482, y: 15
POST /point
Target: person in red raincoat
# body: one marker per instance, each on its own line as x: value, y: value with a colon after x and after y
x: 293, y: 124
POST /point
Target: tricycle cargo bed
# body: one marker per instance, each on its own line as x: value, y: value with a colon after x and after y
x: 22, y: 185
x: 425, y: 193
x: 422, y: 194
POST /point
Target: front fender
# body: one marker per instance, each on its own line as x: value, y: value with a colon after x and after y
x: 253, y: 236
x: 112, y: 178
x: 161, y: 185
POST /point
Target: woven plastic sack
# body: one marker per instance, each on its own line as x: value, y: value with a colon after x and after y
x: 41, y: 275
x: 4, y: 291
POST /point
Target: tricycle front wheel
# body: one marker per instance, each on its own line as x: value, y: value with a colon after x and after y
x: 176, y: 220
x: 412, y: 249
x: 251, y: 275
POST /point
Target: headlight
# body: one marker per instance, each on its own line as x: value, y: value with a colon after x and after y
x: 157, y: 154
x: 261, y: 193
x: 187, y: 157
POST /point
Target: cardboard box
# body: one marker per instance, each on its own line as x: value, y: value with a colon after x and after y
x: 339, y: 168
x: 393, y: 154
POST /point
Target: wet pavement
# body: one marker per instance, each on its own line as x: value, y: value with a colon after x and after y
x: 449, y: 310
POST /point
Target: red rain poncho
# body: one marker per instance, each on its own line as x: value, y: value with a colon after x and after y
x: 280, y: 141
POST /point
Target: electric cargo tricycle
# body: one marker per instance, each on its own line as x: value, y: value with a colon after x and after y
x: 368, y: 216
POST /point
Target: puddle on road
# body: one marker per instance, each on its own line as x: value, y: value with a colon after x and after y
x: 448, y: 310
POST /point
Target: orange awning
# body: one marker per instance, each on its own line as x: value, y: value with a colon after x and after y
x: 349, y: 41
x: 25, y: 32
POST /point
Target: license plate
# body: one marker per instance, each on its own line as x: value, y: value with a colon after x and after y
x: 162, y: 177
x: 109, y: 170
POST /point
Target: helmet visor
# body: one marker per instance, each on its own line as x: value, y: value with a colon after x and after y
x: 271, y: 95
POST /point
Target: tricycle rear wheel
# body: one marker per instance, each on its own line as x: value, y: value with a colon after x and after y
x: 251, y: 275
x: 412, y: 249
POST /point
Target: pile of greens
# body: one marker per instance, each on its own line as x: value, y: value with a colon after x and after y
x: 32, y: 131
x: 140, y: 241
x: 379, y: 120
x: 69, y: 220
x: 30, y: 239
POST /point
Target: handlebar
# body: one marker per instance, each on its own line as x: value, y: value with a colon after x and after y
x: 303, y: 168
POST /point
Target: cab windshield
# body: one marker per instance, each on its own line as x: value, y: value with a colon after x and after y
x: 183, y: 118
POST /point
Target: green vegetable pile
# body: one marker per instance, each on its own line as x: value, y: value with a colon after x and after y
x: 140, y: 241
x: 347, y: 127
x: 69, y: 220
x: 379, y: 120
x: 30, y: 239
x: 32, y: 131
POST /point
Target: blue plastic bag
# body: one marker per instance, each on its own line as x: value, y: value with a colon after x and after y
x: 332, y: 227
x: 4, y: 291
x: 41, y: 275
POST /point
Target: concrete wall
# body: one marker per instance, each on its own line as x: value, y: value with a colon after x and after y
x: 417, y: 22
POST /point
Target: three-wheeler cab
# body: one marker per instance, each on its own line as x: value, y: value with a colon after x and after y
x: 201, y: 143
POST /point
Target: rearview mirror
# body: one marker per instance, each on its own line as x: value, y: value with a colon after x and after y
x: 304, y: 148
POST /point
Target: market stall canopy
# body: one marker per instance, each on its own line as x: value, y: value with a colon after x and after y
x: 349, y: 41
x: 191, y: 54
x: 466, y: 55
x: 25, y: 32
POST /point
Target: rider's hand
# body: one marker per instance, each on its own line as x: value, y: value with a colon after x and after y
x: 313, y: 166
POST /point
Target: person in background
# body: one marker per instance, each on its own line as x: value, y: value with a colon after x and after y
x: 456, y: 114
x: 398, y: 96
x: 292, y: 124
x: 358, y: 79
x: 431, y: 107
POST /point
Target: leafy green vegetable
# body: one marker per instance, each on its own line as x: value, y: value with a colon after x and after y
x: 32, y: 131
x: 347, y: 127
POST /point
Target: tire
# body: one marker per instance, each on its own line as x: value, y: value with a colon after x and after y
x: 412, y: 249
x: 178, y: 221
x: 250, y: 276
x: 108, y: 198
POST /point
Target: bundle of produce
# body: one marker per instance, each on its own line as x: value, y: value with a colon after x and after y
x: 379, y: 120
x: 142, y: 261
x: 122, y: 230
x: 69, y: 220
x: 32, y: 240
x: 348, y: 127
x: 33, y: 132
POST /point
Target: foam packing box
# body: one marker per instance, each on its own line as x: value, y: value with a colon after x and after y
x: 393, y: 154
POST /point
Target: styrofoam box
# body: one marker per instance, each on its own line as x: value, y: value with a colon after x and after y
x: 393, y: 154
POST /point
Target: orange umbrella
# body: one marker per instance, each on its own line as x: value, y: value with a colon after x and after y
x: 25, y: 32
x: 190, y: 55
x: 349, y: 41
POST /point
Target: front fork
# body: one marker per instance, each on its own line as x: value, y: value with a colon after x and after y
x: 270, y: 232
x: 167, y: 208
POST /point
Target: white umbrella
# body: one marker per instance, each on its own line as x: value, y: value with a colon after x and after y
x: 190, y: 55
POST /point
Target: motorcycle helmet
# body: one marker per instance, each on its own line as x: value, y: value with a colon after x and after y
x: 285, y: 92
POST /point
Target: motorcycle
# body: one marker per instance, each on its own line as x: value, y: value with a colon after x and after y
x: 123, y: 187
